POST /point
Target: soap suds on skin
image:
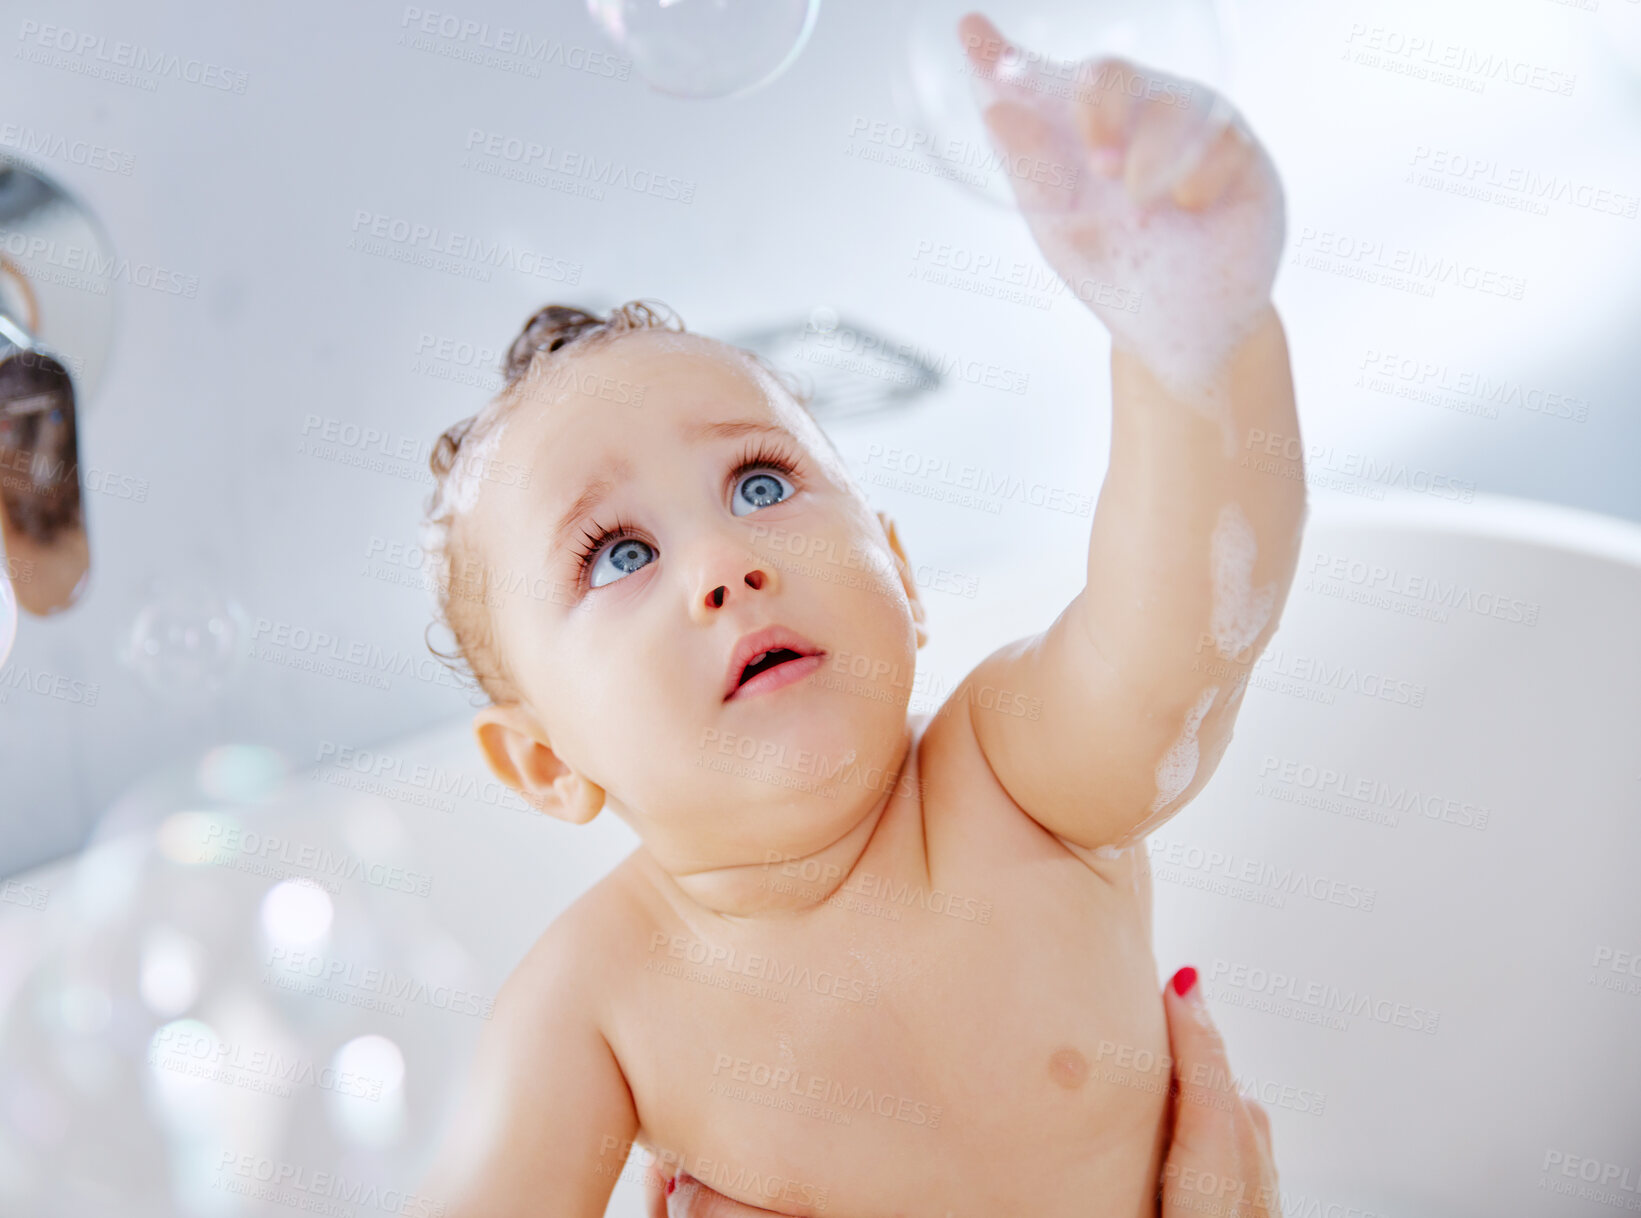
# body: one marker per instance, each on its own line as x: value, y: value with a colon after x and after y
x: 1239, y: 611
x: 1202, y: 279
x: 459, y: 492
x: 1179, y: 765
x: 462, y: 488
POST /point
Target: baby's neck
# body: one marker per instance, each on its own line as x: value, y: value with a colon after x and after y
x: 797, y: 882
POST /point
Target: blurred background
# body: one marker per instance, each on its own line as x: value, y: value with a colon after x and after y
x: 326, y: 223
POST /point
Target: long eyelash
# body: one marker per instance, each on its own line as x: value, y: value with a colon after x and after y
x: 765, y: 454
x: 768, y: 453
x: 597, y: 538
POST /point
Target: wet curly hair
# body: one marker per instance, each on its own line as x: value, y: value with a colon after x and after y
x: 552, y: 335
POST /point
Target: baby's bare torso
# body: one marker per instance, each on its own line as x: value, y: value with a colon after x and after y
x: 970, y: 1026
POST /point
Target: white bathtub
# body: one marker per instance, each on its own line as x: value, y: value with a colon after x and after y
x: 1410, y: 890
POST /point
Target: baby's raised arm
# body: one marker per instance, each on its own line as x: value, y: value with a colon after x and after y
x: 1196, y: 534
x: 545, y: 1122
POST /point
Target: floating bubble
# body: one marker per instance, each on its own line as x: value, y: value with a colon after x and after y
x: 941, y: 92
x: 187, y: 643
x: 707, y: 48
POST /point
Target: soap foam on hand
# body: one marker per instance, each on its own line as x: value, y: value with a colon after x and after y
x: 1095, y: 153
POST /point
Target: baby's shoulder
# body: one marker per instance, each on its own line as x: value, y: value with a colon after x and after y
x: 576, y: 957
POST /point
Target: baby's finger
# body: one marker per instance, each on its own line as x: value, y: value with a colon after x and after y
x: 1168, y: 144
x: 983, y: 43
x: 1004, y: 70
x: 1229, y: 157
x: 1103, y: 109
x: 1040, y: 171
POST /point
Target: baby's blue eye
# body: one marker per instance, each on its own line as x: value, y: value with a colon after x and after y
x: 625, y: 557
x: 759, y: 489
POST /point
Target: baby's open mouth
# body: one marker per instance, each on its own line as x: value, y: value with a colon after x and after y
x: 767, y: 661
x: 770, y: 658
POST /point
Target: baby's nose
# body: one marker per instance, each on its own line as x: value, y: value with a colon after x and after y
x: 729, y: 571
x: 754, y: 577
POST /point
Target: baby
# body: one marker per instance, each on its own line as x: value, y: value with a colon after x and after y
x: 863, y: 964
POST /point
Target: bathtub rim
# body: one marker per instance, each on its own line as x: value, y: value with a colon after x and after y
x: 1498, y: 517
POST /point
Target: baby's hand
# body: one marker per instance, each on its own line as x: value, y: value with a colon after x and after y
x: 1160, y: 192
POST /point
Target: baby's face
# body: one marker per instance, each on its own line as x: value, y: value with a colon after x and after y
x: 723, y: 511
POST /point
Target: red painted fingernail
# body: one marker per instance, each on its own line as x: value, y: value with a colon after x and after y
x: 1184, y: 980
x: 672, y: 1184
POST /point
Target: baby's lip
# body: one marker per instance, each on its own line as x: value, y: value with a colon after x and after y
x: 749, y: 646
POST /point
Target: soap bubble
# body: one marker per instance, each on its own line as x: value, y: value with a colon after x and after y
x: 8, y: 617
x: 708, y: 48
x: 222, y: 993
x: 187, y: 642
x: 939, y: 92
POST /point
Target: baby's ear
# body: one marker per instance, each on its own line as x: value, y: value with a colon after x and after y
x: 906, y: 579
x: 517, y: 752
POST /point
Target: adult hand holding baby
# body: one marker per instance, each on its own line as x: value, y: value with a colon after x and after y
x: 1219, y: 1159
x: 1145, y: 192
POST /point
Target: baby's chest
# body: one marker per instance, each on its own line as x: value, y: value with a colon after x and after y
x: 986, y: 1040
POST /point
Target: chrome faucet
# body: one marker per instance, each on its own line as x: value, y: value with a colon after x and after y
x: 50, y: 323
x: 42, y: 518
